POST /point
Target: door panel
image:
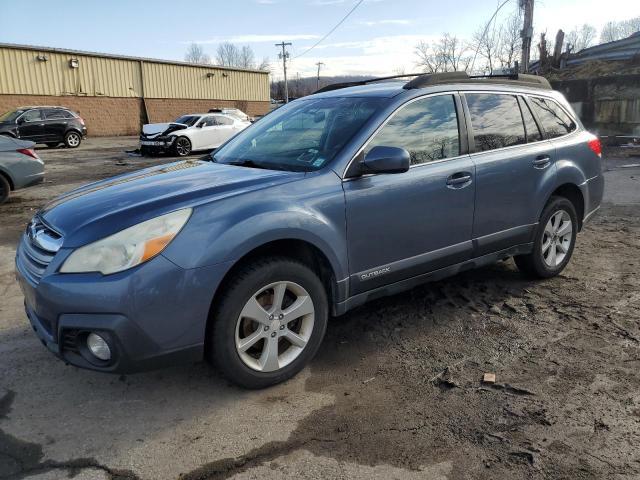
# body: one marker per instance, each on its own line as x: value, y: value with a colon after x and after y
x: 201, y: 137
x: 32, y: 127
x: 55, y: 124
x: 402, y: 225
x: 510, y: 173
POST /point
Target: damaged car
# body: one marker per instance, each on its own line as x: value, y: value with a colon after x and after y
x: 190, y: 133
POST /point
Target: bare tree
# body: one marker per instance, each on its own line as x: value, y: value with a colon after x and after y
x: 454, y: 52
x: 227, y: 55
x: 230, y: 55
x: 265, y: 65
x: 486, y: 41
x: 580, y: 38
x: 448, y: 54
x: 429, y: 58
x: 616, y: 30
x: 247, y: 59
x: 195, y: 54
x: 510, y: 40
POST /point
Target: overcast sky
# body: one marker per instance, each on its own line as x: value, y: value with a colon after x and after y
x: 378, y: 38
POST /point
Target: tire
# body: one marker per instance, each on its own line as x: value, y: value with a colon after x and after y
x: 182, y: 147
x: 52, y: 144
x: 72, y: 139
x: 250, y: 365
x: 551, y: 252
x: 5, y: 189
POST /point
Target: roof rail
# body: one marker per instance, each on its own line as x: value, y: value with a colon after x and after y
x: 430, y: 79
x: 337, y: 86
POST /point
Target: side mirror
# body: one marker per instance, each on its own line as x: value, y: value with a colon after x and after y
x: 383, y: 159
x: 20, y: 121
x: 200, y: 125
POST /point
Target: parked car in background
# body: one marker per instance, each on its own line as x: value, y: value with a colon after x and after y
x: 48, y: 125
x: 330, y: 201
x: 190, y: 133
x: 20, y: 166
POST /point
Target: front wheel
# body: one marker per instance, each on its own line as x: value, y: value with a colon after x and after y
x: 554, y: 240
x: 182, y: 147
x: 72, y: 139
x: 269, y: 322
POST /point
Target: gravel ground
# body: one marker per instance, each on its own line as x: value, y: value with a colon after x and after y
x: 395, y: 391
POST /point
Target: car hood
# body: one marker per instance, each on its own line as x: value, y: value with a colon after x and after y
x: 106, y: 207
x: 164, y: 128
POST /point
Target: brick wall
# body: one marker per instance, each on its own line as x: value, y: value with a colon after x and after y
x: 109, y: 116
x: 168, y: 109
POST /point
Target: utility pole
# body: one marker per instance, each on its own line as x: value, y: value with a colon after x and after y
x: 319, y: 64
x: 284, y: 55
x: 526, y: 33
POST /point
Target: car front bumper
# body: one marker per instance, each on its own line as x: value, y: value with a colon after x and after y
x: 151, y: 316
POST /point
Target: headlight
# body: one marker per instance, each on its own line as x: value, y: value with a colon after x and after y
x: 129, y: 247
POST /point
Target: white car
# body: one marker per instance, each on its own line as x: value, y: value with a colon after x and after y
x: 190, y: 133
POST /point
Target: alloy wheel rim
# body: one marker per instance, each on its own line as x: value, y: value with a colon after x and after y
x: 182, y: 147
x: 73, y: 140
x: 274, y: 326
x: 556, y: 239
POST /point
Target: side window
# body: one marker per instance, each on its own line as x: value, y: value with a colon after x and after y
x: 496, y: 120
x: 554, y: 119
x: 67, y: 114
x: 208, y: 121
x: 53, y: 114
x: 530, y: 126
x: 222, y: 120
x: 32, y: 116
x: 427, y: 128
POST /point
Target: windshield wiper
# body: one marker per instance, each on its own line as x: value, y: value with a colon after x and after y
x: 250, y: 164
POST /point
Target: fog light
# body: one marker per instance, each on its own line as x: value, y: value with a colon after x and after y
x: 98, y: 347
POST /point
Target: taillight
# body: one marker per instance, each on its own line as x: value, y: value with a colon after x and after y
x: 595, y: 146
x: 28, y: 152
x: 81, y: 120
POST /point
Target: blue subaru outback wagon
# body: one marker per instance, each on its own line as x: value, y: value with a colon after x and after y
x: 350, y: 194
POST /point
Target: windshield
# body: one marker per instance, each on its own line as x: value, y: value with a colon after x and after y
x: 188, y: 120
x: 11, y: 116
x: 302, y: 136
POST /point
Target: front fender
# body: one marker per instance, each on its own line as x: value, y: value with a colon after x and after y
x: 311, y: 210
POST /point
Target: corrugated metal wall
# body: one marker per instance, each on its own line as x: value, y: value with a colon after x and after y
x: 21, y: 73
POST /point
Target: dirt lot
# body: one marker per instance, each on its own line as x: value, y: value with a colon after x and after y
x: 395, y: 392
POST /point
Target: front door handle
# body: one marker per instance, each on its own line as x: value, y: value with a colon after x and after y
x: 459, y: 180
x: 542, y: 161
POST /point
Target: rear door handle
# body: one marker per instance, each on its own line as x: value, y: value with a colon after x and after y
x: 542, y: 161
x: 459, y: 180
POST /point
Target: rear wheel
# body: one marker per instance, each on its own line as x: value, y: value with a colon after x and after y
x: 554, y: 240
x: 269, y: 322
x: 182, y: 147
x: 5, y: 188
x: 72, y: 139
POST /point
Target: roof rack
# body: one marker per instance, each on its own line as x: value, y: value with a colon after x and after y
x: 337, y: 86
x: 427, y: 80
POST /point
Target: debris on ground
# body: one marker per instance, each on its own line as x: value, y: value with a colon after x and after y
x: 489, y: 378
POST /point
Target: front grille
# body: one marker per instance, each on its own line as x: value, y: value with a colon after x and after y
x: 37, y: 248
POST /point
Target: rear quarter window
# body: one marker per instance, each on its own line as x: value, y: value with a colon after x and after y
x: 555, y: 121
x: 496, y: 120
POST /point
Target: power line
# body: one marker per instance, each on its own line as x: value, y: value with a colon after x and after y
x: 330, y: 31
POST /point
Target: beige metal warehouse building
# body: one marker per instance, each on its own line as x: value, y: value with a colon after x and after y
x: 116, y: 94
